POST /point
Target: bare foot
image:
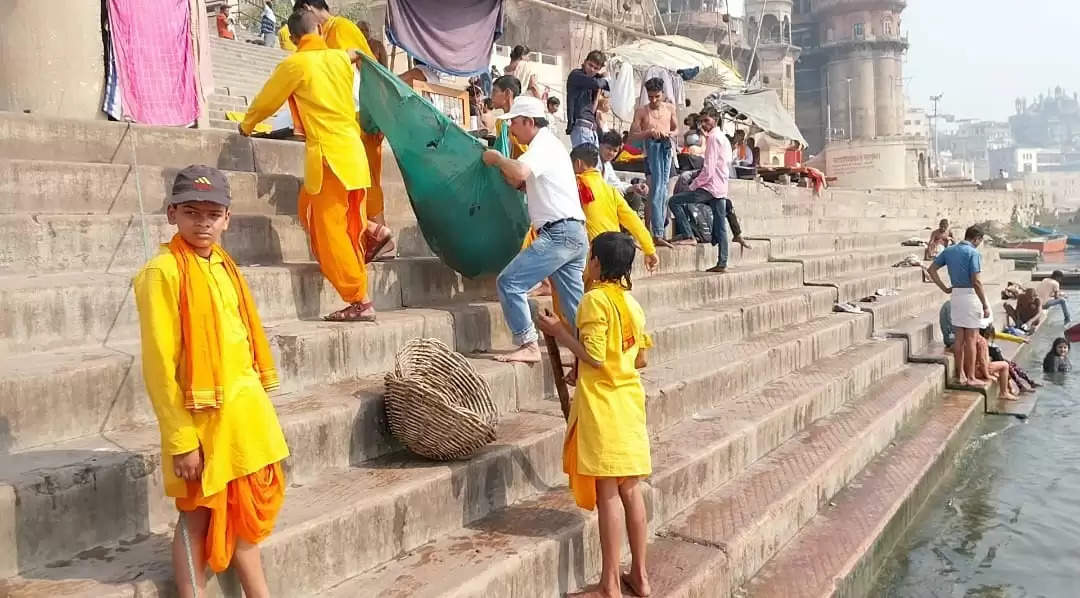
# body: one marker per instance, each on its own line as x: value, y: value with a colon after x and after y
x: 741, y: 242
x: 976, y: 383
x: 639, y: 585
x: 662, y: 243
x: 529, y: 353
x: 961, y: 381
x: 543, y: 290
x: 1005, y: 397
x: 597, y: 593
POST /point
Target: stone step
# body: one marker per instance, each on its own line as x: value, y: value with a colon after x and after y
x: 26, y: 137
x: 226, y: 99
x: 853, y: 287
x: 785, y: 246
x: 829, y: 265
x: 547, y: 546
x: 70, y: 309
x: 46, y: 186
x: 841, y: 550
x: 331, y: 427
x: 49, y: 187
x: 698, y: 453
x: 87, y: 390
x: 115, y: 243
x: 738, y: 528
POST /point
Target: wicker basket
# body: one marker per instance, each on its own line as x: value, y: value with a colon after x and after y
x: 436, y: 404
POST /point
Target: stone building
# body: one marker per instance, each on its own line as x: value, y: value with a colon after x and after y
x: 849, y: 78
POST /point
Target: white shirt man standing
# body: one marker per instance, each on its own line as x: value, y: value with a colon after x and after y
x: 562, y: 246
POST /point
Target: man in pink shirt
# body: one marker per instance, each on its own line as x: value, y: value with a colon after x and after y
x: 710, y: 188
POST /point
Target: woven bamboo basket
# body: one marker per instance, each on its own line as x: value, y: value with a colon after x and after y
x: 436, y: 403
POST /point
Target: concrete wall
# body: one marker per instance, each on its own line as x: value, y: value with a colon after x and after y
x: 55, y: 68
x: 867, y: 164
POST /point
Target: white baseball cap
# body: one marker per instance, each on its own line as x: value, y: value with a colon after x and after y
x: 527, y: 106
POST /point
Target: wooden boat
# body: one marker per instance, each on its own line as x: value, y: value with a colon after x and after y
x: 1072, y: 240
x: 1055, y: 244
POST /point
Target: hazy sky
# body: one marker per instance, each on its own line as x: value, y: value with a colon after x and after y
x: 982, y: 54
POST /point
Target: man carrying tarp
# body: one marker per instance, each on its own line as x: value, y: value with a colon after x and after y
x: 317, y: 83
x: 342, y: 34
x: 560, y: 249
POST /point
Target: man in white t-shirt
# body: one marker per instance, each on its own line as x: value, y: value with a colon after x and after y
x: 1049, y: 290
x: 562, y: 246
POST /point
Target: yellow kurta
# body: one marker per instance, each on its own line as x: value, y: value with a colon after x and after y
x: 608, y: 212
x: 285, y: 39
x: 319, y: 80
x: 342, y: 34
x: 516, y: 148
x: 606, y: 434
x: 241, y: 437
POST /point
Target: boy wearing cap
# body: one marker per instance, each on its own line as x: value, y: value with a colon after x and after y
x: 560, y: 249
x: 207, y: 367
x: 317, y: 83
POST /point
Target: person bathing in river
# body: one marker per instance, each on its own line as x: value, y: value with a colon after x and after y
x: 1057, y: 360
x: 987, y: 370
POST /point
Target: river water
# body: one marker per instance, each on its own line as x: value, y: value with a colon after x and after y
x: 1007, y: 523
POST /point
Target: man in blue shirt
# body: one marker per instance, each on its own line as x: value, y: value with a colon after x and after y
x: 970, y: 311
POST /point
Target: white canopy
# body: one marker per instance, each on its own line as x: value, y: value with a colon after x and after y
x: 644, y: 53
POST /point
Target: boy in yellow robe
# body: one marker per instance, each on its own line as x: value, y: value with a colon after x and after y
x: 221, y: 443
x: 342, y: 34
x: 285, y: 39
x: 317, y: 82
x: 605, y: 209
x: 606, y: 451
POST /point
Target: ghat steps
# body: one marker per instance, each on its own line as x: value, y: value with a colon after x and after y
x: 763, y: 404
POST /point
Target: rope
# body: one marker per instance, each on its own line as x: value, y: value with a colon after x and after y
x: 138, y: 194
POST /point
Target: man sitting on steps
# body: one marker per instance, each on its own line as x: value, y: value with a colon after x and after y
x: 561, y: 247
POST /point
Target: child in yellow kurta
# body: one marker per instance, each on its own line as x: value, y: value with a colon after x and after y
x: 207, y: 367
x: 606, y: 450
x: 317, y: 82
x: 342, y: 34
x: 605, y: 209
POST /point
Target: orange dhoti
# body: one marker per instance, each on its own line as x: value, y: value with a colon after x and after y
x: 247, y: 508
x: 335, y: 219
x: 373, y: 143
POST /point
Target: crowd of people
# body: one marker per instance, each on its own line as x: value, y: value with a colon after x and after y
x: 221, y: 442
x: 967, y: 326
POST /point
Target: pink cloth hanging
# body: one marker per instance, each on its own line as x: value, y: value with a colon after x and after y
x: 155, y: 61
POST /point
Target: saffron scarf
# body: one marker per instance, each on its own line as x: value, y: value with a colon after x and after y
x: 585, y: 194
x: 200, y: 330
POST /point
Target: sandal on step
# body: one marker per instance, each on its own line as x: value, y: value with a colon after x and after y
x: 377, y: 245
x: 354, y: 312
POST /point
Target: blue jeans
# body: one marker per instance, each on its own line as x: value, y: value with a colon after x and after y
x: 583, y: 134
x: 658, y: 163
x: 719, y: 219
x: 559, y: 253
x: 1064, y: 307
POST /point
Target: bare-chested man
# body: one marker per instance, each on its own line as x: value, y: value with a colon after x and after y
x: 940, y: 238
x: 654, y: 124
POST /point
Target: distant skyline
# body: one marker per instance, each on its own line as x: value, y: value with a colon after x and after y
x: 983, y: 54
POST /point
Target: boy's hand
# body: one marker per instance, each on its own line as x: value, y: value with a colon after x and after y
x: 548, y: 323
x: 652, y: 262
x: 491, y: 157
x: 240, y: 129
x: 189, y: 466
x: 642, y: 188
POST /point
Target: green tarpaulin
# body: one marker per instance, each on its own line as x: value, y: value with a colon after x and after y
x: 469, y: 216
